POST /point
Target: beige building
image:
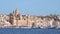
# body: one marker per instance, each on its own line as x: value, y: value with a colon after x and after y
x: 17, y: 19
x: 29, y: 21
x: 4, y: 20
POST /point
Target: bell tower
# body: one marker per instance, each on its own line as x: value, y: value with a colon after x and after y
x: 16, y: 12
x: 16, y: 17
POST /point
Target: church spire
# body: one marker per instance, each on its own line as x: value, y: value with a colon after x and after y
x: 16, y: 11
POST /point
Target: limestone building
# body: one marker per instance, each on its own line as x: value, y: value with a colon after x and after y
x: 17, y: 19
x: 29, y: 21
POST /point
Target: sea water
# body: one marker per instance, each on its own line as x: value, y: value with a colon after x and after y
x: 28, y: 31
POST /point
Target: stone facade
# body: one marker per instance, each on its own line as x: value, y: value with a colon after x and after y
x: 20, y: 20
x: 29, y: 21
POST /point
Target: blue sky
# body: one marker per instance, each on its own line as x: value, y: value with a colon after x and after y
x: 32, y: 7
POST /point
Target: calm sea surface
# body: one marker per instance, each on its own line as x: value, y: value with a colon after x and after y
x: 28, y: 31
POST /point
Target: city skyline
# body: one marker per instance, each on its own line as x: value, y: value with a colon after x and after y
x: 32, y: 7
x: 30, y: 16
x: 17, y: 20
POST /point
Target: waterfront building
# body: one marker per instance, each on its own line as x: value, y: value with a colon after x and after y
x: 16, y: 19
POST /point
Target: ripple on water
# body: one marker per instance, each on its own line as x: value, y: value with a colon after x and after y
x: 28, y: 31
